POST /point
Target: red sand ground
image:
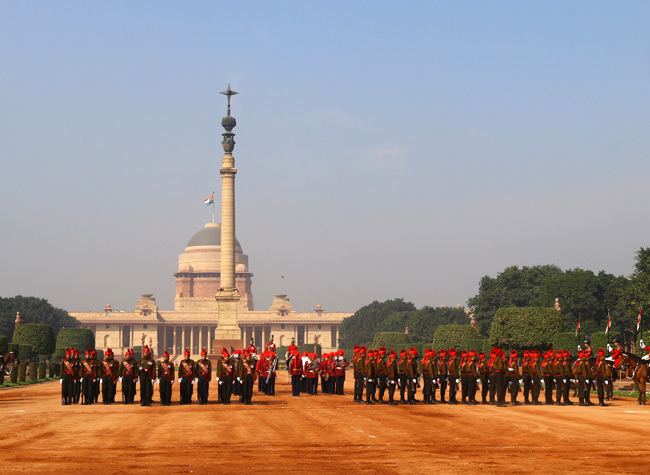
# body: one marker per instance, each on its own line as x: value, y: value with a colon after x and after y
x: 316, y: 434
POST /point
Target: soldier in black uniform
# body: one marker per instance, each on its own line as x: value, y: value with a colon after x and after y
x: 513, y: 377
x: 186, y: 375
x: 98, y: 376
x: 203, y: 377
x: 147, y: 377
x: 402, y: 377
x: 67, y: 378
x: 110, y: 371
x: 88, y: 374
x: 246, y: 375
x: 128, y: 376
x: 165, y: 380
x: 225, y: 373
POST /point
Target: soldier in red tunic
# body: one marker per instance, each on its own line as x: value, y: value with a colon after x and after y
x: 270, y: 346
x: 340, y: 367
x: 295, y: 369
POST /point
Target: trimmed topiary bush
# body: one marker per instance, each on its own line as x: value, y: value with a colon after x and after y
x: 41, y: 370
x: 81, y: 338
x: 13, y: 376
x: 22, y: 372
x: 525, y: 327
x: 455, y: 336
x: 566, y: 341
x: 53, y: 369
x: 24, y: 352
x: 33, y: 371
x: 390, y: 340
x: 37, y: 335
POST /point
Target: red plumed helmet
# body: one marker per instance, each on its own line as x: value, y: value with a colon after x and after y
x: 165, y: 354
x: 403, y: 352
x: 187, y: 351
x: 203, y: 352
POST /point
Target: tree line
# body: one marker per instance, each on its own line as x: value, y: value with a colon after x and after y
x: 584, y: 295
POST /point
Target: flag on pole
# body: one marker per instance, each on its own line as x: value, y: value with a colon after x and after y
x: 209, y: 200
x: 609, y: 324
x: 578, y: 328
x: 638, y: 322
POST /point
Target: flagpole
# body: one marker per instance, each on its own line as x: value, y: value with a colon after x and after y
x: 212, y: 207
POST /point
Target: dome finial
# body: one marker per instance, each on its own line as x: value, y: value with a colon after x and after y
x: 228, y: 123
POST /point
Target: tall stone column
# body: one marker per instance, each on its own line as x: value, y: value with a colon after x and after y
x: 228, y: 332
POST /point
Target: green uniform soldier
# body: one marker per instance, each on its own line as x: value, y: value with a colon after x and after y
x: 513, y: 375
x: 391, y: 377
x: 371, y: 377
x: 381, y: 375
x: 453, y: 375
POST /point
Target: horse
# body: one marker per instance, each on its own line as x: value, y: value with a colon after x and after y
x: 6, y: 361
x: 635, y: 368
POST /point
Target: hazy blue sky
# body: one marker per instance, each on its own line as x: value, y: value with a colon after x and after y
x: 385, y: 149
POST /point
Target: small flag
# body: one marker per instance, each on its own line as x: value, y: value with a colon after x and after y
x: 578, y: 328
x: 638, y: 322
x: 209, y: 200
x: 609, y: 324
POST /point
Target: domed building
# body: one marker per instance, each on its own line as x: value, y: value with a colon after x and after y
x: 193, y: 321
x: 199, y: 274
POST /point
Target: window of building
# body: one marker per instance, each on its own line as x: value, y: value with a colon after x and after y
x: 282, y: 326
x: 108, y: 326
x: 144, y: 326
x: 319, y: 327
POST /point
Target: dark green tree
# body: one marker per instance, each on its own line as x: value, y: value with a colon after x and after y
x: 514, y: 287
x: 32, y: 310
x: 456, y: 336
x: 360, y: 328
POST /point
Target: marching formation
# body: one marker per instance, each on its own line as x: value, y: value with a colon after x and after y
x: 449, y: 372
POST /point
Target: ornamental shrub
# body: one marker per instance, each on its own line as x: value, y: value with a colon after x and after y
x: 4, y: 344
x: 80, y: 338
x: 13, y: 376
x: 37, y: 335
x: 22, y: 371
x: 24, y: 352
x: 525, y: 327
x: 41, y: 370
x: 389, y: 340
x: 455, y: 336
x: 33, y: 371
x: 566, y: 341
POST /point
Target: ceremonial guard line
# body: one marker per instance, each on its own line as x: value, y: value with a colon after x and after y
x: 444, y: 376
